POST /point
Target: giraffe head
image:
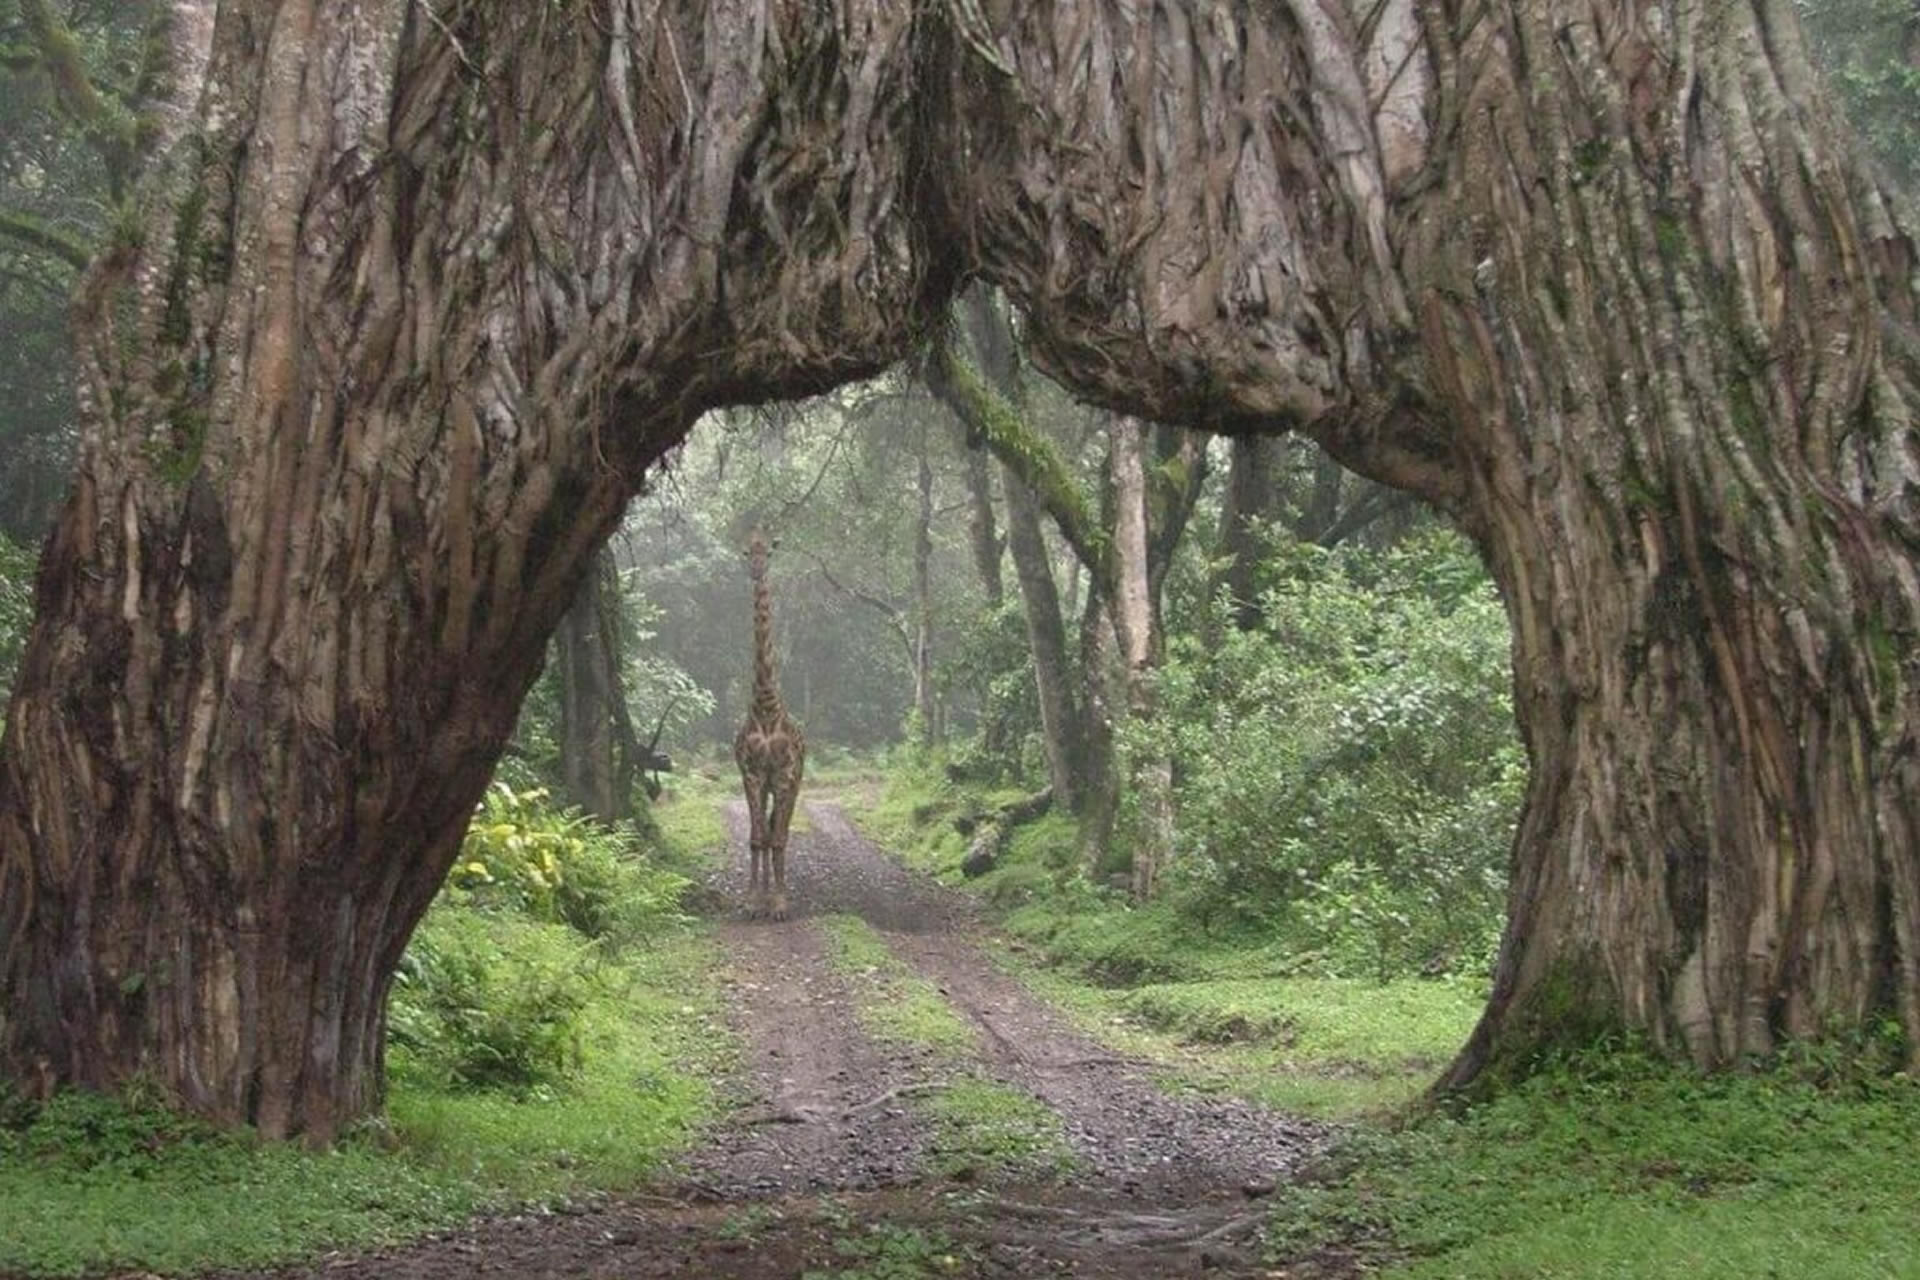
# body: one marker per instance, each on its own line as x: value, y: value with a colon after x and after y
x: 757, y: 548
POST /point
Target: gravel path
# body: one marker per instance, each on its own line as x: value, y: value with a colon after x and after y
x: 824, y: 1143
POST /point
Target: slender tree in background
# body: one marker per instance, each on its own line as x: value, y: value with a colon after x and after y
x: 1060, y: 724
x: 424, y: 290
x: 1251, y: 495
x: 1142, y: 649
x: 600, y: 754
x: 1126, y: 550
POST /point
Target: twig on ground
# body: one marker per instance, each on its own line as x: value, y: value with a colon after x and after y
x: 912, y: 1090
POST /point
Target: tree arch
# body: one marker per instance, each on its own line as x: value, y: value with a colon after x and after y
x: 424, y: 289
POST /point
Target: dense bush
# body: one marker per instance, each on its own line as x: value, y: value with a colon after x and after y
x: 488, y: 1000
x: 523, y: 853
x: 1349, y: 774
x: 491, y: 992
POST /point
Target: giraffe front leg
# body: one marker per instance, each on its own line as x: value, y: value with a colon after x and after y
x: 756, y: 845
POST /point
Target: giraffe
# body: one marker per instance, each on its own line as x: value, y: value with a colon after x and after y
x: 771, y: 752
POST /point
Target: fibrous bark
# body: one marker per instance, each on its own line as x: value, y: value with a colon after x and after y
x: 1606, y: 284
x: 421, y: 296
x: 430, y: 286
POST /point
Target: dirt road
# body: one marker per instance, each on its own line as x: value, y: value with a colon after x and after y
x: 824, y: 1165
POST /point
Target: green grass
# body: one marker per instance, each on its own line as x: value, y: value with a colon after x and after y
x: 94, y: 1185
x: 896, y: 1004
x: 90, y: 1184
x: 982, y: 1127
x: 913, y: 815
x: 1623, y: 1167
x: 651, y: 1036
x: 688, y: 817
x: 1327, y: 1047
x: 888, y: 1251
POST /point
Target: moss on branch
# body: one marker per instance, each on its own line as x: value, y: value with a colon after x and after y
x: 42, y: 237
x: 1023, y: 450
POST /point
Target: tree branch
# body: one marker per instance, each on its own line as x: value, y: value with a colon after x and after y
x: 1026, y: 453
x: 895, y: 616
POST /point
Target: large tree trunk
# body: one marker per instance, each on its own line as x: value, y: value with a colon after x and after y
x: 433, y: 285
x: 1605, y: 283
x: 415, y: 309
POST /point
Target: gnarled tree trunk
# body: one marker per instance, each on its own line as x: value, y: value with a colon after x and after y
x: 432, y: 285
x: 419, y: 301
x: 1605, y: 283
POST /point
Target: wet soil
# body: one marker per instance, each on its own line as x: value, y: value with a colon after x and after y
x: 819, y: 1166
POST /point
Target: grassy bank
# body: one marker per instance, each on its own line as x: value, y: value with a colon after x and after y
x: 93, y: 1184
x: 1221, y: 1007
x: 1617, y: 1166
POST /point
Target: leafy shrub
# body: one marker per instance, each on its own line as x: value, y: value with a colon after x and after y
x: 485, y: 1000
x: 1349, y: 775
x: 76, y: 1132
x: 524, y: 854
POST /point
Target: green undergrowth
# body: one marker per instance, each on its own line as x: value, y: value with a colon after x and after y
x: 688, y: 816
x: 649, y: 1037
x: 914, y: 815
x: 1618, y: 1166
x: 1334, y: 1048
x: 895, y: 1003
x: 92, y: 1184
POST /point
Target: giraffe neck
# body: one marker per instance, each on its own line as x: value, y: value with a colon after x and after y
x: 766, y: 677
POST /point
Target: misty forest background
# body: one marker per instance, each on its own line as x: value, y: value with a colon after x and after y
x: 1315, y: 781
